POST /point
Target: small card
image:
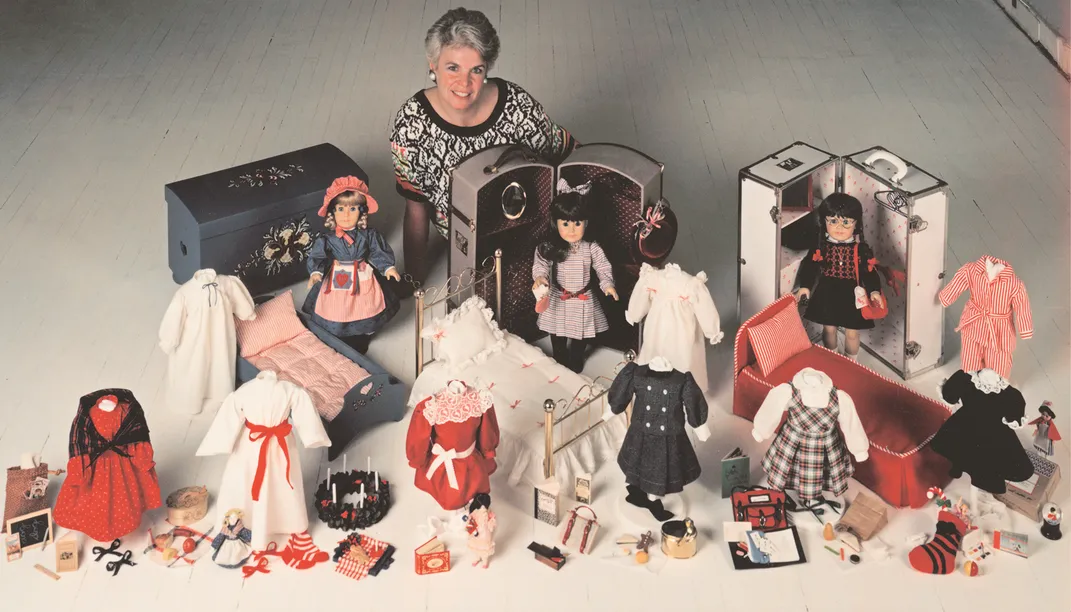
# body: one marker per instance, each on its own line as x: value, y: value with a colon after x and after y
x: 13, y: 545
x: 67, y: 553
x: 1014, y: 543
x: 583, y: 488
x: 735, y: 472
x: 736, y: 531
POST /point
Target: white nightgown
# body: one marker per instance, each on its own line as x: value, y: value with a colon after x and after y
x: 253, y: 416
x: 679, y: 314
x: 198, y: 334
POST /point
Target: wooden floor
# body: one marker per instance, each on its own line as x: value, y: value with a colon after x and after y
x: 102, y: 102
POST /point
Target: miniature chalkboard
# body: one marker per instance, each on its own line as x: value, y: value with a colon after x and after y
x: 34, y: 529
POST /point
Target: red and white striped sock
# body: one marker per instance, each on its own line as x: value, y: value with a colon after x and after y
x: 304, y: 552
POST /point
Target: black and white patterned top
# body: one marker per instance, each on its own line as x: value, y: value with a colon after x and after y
x: 426, y: 147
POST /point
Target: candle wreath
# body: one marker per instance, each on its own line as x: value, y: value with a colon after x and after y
x: 347, y: 516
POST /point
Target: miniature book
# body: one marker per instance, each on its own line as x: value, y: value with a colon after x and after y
x: 735, y: 472
x: 1014, y: 543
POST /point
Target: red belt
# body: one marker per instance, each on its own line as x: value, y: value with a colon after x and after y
x: 582, y: 296
x: 262, y: 434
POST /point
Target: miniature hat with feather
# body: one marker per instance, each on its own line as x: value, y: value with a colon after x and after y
x: 344, y: 184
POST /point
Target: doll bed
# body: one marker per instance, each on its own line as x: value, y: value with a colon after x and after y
x: 899, y: 421
x: 350, y: 391
x: 525, y: 382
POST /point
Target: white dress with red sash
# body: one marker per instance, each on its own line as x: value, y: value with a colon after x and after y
x: 255, y: 426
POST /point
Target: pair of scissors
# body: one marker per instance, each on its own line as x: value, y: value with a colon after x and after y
x: 114, y: 566
x: 100, y: 551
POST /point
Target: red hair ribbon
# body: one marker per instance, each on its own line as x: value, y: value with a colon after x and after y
x: 817, y: 255
x: 261, y: 566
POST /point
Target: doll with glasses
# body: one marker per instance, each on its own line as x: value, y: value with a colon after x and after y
x: 568, y: 309
x: 840, y: 275
x: 346, y: 297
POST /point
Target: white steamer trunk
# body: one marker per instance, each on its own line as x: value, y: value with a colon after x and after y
x: 905, y: 221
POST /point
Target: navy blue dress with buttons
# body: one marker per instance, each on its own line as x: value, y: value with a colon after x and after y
x: 657, y: 455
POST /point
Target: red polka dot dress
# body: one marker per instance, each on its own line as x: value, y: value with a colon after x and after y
x: 111, y: 476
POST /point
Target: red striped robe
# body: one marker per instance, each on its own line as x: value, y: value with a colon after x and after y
x: 986, y: 331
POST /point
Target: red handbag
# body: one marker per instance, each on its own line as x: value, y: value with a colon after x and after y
x: 870, y: 312
x: 763, y: 508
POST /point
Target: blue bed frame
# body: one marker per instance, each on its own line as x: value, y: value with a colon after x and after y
x: 385, y: 400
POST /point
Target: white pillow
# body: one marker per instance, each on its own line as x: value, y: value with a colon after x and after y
x: 466, y: 336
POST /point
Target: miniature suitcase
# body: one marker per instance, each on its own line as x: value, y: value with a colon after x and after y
x: 479, y: 224
x: 256, y: 221
x: 905, y: 222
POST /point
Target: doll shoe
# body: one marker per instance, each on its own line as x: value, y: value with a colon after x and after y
x: 636, y: 497
x: 659, y: 511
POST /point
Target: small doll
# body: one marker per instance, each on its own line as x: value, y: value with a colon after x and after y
x: 831, y: 274
x: 481, y: 529
x: 1045, y: 432
x: 350, y: 302
x: 562, y: 267
x: 232, y: 546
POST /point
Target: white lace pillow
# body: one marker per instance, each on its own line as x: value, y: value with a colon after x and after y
x: 466, y: 336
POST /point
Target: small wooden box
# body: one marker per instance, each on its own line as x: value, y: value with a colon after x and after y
x: 1027, y: 497
x: 864, y: 517
x: 257, y: 220
x: 546, y: 502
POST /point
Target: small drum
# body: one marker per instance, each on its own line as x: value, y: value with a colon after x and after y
x: 679, y: 539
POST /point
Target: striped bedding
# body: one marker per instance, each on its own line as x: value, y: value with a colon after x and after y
x: 306, y: 361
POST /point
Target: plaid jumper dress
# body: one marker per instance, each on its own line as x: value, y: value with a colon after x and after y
x: 809, y: 454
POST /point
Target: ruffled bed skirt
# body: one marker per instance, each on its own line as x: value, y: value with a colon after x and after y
x: 521, y: 462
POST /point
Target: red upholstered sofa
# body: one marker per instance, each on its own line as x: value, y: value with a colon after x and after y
x: 898, y: 421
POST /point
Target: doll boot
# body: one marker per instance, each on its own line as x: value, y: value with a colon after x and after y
x: 939, y: 555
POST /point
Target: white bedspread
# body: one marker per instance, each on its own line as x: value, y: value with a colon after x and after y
x: 521, y: 378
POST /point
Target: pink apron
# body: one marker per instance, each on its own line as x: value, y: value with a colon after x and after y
x: 349, y: 293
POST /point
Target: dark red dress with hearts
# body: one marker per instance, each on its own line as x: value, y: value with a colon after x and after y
x: 105, y: 498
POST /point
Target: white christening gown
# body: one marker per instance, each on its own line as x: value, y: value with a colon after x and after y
x: 679, y: 314
x: 260, y: 478
x: 197, y: 333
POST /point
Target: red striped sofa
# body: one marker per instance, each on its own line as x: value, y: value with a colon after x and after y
x: 899, y: 421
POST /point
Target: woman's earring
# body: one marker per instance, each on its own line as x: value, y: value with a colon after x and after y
x: 431, y: 75
x: 484, y: 79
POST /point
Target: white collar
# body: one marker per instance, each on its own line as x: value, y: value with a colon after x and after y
x: 206, y: 275
x: 835, y: 241
x: 660, y: 364
x: 266, y: 375
x: 810, y: 378
x: 988, y: 381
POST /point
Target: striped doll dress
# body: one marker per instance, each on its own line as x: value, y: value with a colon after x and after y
x: 811, y: 451
x: 574, y: 310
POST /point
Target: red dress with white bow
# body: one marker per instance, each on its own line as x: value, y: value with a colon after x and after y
x: 451, y: 444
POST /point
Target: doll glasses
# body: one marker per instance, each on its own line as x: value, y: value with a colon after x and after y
x: 834, y: 221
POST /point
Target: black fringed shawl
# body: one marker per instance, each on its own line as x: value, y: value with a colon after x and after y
x: 88, y: 444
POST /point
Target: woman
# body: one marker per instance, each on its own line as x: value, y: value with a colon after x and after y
x: 462, y: 113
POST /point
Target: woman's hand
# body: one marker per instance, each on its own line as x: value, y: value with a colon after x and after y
x: 314, y: 278
x: 539, y: 282
x: 877, y: 300
x: 610, y: 291
x: 392, y: 274
x: 801, y: 293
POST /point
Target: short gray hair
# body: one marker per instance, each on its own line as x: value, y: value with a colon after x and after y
x: 461, y: 27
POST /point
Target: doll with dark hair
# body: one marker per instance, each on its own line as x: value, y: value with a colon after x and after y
x: 562, y: 271
x: 840, y: 274
x: 350, y: 302
x: 1045, y: 432
x: 481, y: 529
